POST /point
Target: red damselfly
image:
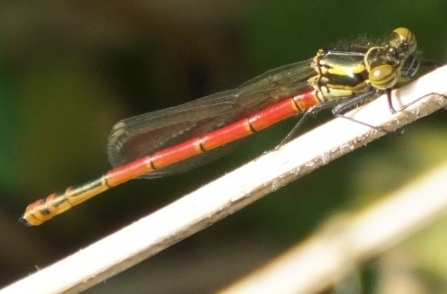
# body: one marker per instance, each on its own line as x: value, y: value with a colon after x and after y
x: 179, y: 138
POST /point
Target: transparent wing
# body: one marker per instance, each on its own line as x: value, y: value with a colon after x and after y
x: 142, y: 135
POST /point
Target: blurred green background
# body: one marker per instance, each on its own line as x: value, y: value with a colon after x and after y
x: 70, y: 69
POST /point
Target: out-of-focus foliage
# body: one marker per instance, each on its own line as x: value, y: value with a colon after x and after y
x: 70, y: 69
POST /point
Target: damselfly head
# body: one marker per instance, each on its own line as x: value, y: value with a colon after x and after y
x: 394, y: 60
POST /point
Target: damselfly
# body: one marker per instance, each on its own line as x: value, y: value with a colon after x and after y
x: 177, y: 139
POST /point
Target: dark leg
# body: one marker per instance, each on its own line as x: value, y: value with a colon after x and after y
x: 390, y: 102
x: 338, y: 107
x: 409, y: 104
x: 339, y: 110
x: 311, y: 111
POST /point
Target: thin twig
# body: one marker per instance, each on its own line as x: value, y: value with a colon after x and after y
x: 334, y: 252
x: 233, y: 191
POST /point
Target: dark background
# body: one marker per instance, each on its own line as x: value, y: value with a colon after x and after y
x: 70, y: 69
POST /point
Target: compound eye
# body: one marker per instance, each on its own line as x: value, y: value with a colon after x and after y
x: 403, y: 37
x: 383, y: 76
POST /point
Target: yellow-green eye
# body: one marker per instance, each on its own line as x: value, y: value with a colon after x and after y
x: 383, y: 76
x: 403, y: 37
